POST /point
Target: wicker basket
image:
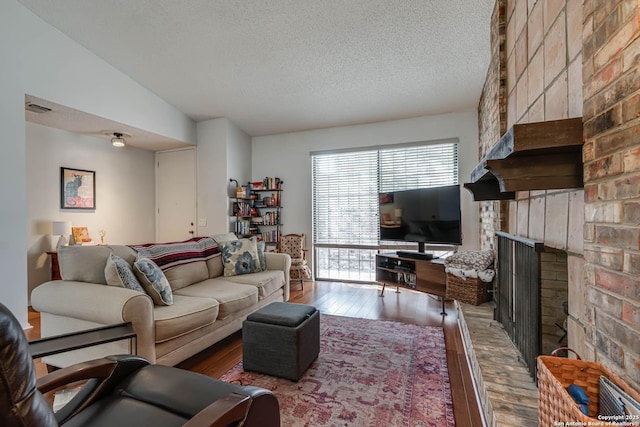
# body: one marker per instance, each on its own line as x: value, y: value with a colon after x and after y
x: 555, y: 374
x: 470, y: 290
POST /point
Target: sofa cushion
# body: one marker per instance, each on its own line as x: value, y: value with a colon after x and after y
x: 83, y: 263
x: 214, y: 264
x: 185, y: 315
x: 224, y: 237
x: 240, y: 257
x: 87, y: 263
x: 187, y: 274
x: 153, y: 281
x: 267, y: 282
x: 124, y: 252
x: 231, y: 296
x: 118, y: 272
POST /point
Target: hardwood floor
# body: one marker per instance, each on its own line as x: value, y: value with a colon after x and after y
x: 356, y: 300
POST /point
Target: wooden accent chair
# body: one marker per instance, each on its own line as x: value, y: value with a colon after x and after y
x: 293, y: 244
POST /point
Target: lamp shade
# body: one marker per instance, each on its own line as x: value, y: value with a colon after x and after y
x: 61, y: 228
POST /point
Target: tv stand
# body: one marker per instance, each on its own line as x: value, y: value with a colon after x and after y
x: 426, y: 256
x: 423, y: 275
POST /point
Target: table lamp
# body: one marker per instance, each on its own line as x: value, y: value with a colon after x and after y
x: 62, y: 229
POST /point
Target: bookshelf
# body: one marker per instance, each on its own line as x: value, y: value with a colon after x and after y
x: 257, y: 210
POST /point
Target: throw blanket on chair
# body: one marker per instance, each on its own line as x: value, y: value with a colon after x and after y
x: 169, y: 255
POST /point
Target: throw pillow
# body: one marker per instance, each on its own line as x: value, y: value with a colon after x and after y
x: 153, y: 281
x: 261, y: 257
x: 118, y: 272
x: 480, y: 260
x: 240, y: 257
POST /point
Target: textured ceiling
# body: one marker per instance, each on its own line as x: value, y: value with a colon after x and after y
x: 274, y: 66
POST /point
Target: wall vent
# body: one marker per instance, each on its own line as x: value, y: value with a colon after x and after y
x: 35, y: 108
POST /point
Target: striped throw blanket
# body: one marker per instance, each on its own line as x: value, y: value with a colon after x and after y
x: 169, y: 255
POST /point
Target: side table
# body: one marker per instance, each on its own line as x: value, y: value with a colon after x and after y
x: 55, y: 267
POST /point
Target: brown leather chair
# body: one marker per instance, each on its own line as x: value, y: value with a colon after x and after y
x: 121, y: 391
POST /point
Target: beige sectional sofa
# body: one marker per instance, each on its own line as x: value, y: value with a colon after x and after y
x: 207, y: 305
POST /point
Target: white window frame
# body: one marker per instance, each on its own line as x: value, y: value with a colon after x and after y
x: 345, y: 200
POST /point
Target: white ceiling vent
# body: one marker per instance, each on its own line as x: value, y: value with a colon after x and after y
x: 30, y: 106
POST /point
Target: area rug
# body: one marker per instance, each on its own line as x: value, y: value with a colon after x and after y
x: 368, y: 373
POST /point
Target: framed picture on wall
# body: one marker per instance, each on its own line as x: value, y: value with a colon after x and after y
x: 77, y: 189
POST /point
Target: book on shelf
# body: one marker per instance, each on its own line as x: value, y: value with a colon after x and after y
x: 270, y: 236
x: 273, y: 201
x: 242, y: 227
x: 243, y: 191
x: 271, y: 183
x: 271, y: 218
x: 242, y: 209
x: 259, y: 185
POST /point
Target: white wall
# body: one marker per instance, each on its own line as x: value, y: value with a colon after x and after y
x: 288, y: 157
x: 41, y: 61
x: 224, y: 152
x: 124, y: 192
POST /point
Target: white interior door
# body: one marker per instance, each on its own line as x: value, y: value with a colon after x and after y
x: 175, y: 195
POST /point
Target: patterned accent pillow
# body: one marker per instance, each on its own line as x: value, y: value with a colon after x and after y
x: 480, y: 260
x: 118, y: 272
x: 153, y: 281
x: 240, y: 257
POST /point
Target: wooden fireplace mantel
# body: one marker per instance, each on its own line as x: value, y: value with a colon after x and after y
x: 531, y: 156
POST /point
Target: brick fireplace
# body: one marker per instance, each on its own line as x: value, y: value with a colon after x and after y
x: 556, y: 59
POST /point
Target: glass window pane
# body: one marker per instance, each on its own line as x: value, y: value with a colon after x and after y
x: 345, y: 201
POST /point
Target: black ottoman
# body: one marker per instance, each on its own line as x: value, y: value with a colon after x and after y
x: 281, y: 339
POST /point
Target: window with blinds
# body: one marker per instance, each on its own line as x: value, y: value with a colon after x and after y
x: 346, y: 232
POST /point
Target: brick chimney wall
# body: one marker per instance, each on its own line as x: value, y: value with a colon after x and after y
x: 492, y: 121
x: 573, y: 58
x: 611, y: 116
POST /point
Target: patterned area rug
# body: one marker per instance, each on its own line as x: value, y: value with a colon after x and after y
x: 368, y: 373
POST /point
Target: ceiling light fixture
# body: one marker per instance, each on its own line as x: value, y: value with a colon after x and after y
x: 118, y: 140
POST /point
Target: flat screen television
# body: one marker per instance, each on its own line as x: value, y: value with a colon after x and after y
x: 424, y: 215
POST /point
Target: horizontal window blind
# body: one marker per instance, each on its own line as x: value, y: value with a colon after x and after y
x: 418, y: 167
x: 346, y: 232
x: 345, y: 198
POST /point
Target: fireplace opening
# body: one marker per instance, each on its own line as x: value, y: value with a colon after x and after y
x: 554, y: 299
x: 532, y: 295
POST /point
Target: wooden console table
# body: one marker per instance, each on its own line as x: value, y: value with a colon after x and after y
x: 421, y: 275
x: 55, y: 267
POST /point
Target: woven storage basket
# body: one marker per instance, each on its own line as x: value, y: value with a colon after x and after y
x: 555, y: 374
x: 470, y: 290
